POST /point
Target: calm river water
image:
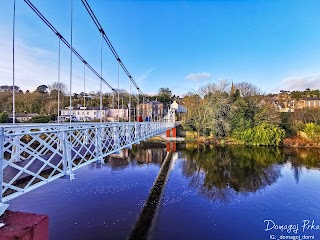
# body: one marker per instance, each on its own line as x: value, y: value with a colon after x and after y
x: 207, y: 193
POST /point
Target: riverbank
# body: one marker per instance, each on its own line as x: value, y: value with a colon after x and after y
x: 293, y: 142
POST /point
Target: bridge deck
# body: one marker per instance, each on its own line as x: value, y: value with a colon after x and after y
x: 32, y: 155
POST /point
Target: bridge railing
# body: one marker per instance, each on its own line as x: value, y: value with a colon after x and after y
x: 33, y: 155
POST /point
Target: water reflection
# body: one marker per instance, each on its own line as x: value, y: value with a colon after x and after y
x: 221, y: 172
x: 302, y: 157
x: 136, y: 156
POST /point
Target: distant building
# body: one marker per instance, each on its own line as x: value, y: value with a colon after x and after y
x: 152, y: 109
x: 114, y: 114
x: 82, y: 114
x: 178, y: 107
x: 232, y: 91
x: 306, y: 102
x: 23, y: 117
x: 285, y: 103
x: 87, y: 114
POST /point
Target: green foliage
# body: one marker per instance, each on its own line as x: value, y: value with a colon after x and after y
x: 286, y: 124
x: 189, y: 125
x: 213, y: 111
x: 243, y: 169
x: 312, y: 131
x: 164, y: 95
x: 40, y: 119
x: 3, y: 117
x: 263, y: 134
x: 240, y: 120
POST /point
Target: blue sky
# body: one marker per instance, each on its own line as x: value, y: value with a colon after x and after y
x: 177, y: 44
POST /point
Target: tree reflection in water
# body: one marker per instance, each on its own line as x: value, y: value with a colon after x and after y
x: 138, y: 155
x: 302, y: 157
x: 220, y: 172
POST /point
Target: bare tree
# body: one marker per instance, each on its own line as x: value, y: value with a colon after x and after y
x: 58, y: 86
x: 247, y: 89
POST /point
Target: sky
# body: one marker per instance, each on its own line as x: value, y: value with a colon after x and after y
x: 181, y: 45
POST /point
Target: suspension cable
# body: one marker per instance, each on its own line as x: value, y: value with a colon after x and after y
x: 118, y: 91
x: 129, y: 106
x: 101, y: 81
x: 59, y: 87
x: 98, y: 25
x: 54, y: 30
x: 13, y: 65
x: 84, y: 91
x: 138, y: 107
x: 71, y: 25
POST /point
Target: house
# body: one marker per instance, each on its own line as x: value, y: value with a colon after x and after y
x: 152, y: 109
x: 178, y: 107
x: 23, y: 117
x: 306, y: 102
x: 87, y: 114
x: 82, y: 113
x: 114, y: 114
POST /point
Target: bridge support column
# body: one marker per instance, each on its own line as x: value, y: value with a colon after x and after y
x: 16, y: 149
x: 3, y: 206
x: 98, y: 145
x: 174, y: 132
x: 171, y: 132
x: 116, y: 139
x: 171, y: 146
x: 67, y: 161
x: 168, y: 133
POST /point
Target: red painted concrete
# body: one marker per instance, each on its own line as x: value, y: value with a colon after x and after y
x: 24, y: 226
x: 171, y: 146
x: 174, y: 132
x: 168, y: 147
x: 168, y: 133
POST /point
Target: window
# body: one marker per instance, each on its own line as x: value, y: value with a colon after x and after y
x: 87, y: 113
x: 78, y: 113
x: 314, y: 103
x: 309, y: 103
x: 94, y: 113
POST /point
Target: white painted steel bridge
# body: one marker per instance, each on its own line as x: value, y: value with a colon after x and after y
x: 33, y: 155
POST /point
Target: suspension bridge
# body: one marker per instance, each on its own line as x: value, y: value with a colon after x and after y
x: 32, y: 155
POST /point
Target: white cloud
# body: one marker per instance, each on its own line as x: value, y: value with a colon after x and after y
x: 301, y: 83
x: 198, y: 76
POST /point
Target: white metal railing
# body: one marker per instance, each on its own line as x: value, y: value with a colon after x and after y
x: 32, y: 155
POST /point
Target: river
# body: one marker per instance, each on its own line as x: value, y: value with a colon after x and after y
x: 208, y: 193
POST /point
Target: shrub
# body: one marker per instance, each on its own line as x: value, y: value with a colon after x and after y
x: 312, y: 131
x: 263, y: 134
x: 40, y: 119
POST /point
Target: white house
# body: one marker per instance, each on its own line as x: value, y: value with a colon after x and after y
x: 113, y: 114
x: 179, y: 108
x: 84, y: 114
